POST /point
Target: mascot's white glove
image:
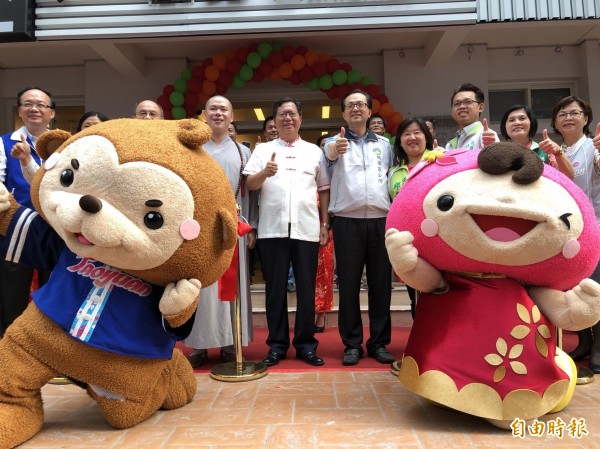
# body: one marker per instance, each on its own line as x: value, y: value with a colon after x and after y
x: 179, y: 296
x: 583, y: 303
x: 4, y: 198
x: 403, y: 255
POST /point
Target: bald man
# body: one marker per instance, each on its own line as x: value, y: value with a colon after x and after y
x: 148, y: 110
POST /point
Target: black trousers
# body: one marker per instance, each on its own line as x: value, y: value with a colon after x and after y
x: 359, y: 242
x: 15, y: 283
x: 275, y: 256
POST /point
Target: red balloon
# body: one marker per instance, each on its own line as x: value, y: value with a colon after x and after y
x: 257, y: 77
x: 346, y: 67
x: 324, y: 57
x: 319, y: 68
x: 332, y: 93
x: 356, y: 86
x: 301, y: 50
x: 167, y: 114
x: 295, y: 79
x: 202, y: 99
x: 241, y: 54
x: 253, y: 48
x: 332, y: 65
x: 198, y: 71
x: 394, y: 129
x: 342, y: 90
x: 288, y: 52
x: 163, y: 101
x: 383, y: 99
x: 191, y: 98
x: 372, y: 90
x: 230, y: 53
x: 190, y: 111
x: 306, y: 74
x: 265, y: 68
x: 275, y: 76
x: 194, y: 84
x: 226, y: 78
x: 168, y: 90
x: 207, y: 62
x: 276, y: 58
x: 221, y: 88
x: 233, y: 66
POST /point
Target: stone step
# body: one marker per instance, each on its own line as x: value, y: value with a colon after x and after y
x: 400, y: 306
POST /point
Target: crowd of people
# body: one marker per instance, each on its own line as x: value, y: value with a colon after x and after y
x: 317, y: 210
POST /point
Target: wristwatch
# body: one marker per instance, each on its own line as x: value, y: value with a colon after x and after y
x: 326, y: 225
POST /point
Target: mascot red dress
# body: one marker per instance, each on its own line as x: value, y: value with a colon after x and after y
x: 133, y: 217
x: 499, y: 246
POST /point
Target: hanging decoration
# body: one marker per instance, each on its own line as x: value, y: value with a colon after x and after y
x: 271, y: 60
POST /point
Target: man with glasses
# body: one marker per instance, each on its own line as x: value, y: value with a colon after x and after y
x: 376, y: 123
x: 36, y: 108
x: 148, y: 110
x: 360, y: 201
x: 290, y: 173
x: 467, y: 103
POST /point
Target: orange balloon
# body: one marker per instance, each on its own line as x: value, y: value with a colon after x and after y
x: 285, y: 70
x: 396, y: 118
x: 386, y: 110
x: 211, y: 73
x: 209, y: 87
x: 298, y: 62
x: 275, y: 76
x: 376, y: 106
x: 220, y: 61
x: 203, y: 98
x: 324, y: 57
x: 311, y: 57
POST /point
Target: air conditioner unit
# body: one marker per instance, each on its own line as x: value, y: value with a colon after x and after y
x: 17, y: 20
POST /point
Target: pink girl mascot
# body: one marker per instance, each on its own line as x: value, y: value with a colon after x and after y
x: 499, y: 245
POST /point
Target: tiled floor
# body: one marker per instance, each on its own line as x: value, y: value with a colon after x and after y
x: 327, y: 409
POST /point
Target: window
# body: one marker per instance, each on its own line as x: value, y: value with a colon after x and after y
x: 541, y: 99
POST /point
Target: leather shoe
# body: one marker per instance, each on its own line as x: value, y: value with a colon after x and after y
x: 273, y: 358
x: 579, y: 353
x: 311, y: 358
x: 382, y: 355
x: 351, y: 356
x: 198, y: 359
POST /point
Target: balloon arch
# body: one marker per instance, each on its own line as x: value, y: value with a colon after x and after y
x: 257, y: 62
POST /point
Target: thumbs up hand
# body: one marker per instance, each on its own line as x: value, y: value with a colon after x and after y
x: 341, y: 143
x: 596, y: 139
x: 271, y: 167
x: 488, y: 136
x: 549, y: 146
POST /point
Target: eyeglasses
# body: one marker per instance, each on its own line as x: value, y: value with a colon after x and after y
x: 573, y: 114
x: 359, y: 104
x: 292, y: 114
x: 466, y: 103
x: 151, y: 114
x: 376, y: 122
x: 40, y: 106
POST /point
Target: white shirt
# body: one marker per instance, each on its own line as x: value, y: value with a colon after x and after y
x: 289, y: 198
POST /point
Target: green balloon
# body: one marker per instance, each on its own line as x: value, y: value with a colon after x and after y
x: 237, y: 82
x: 388, y: 135
x: 246, y: 72
x: 176, y: 98
x: 253, y: 60
x: 186, y: 74
x: 354, y: 76
x: 277, y: 46
x: 326, y: 82
x: 339, y: 77
x: 393, y: 140
x: 264, y: 50
x: 313, y: 84
x: 178, y: 113
x: 366, y: 81
x: 180, y: 85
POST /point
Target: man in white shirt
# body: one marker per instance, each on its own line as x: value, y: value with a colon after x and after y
x: 36, y: 110
x: 467, y: 103
x: 290, y: 173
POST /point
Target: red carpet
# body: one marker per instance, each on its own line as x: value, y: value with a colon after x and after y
x: 331, y: 350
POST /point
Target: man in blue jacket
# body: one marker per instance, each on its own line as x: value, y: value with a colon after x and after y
x: 36, y: 109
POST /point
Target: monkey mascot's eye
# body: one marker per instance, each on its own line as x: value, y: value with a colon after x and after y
x: 67, y: 177
x: 445, y: 203
x: 153, y: 220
